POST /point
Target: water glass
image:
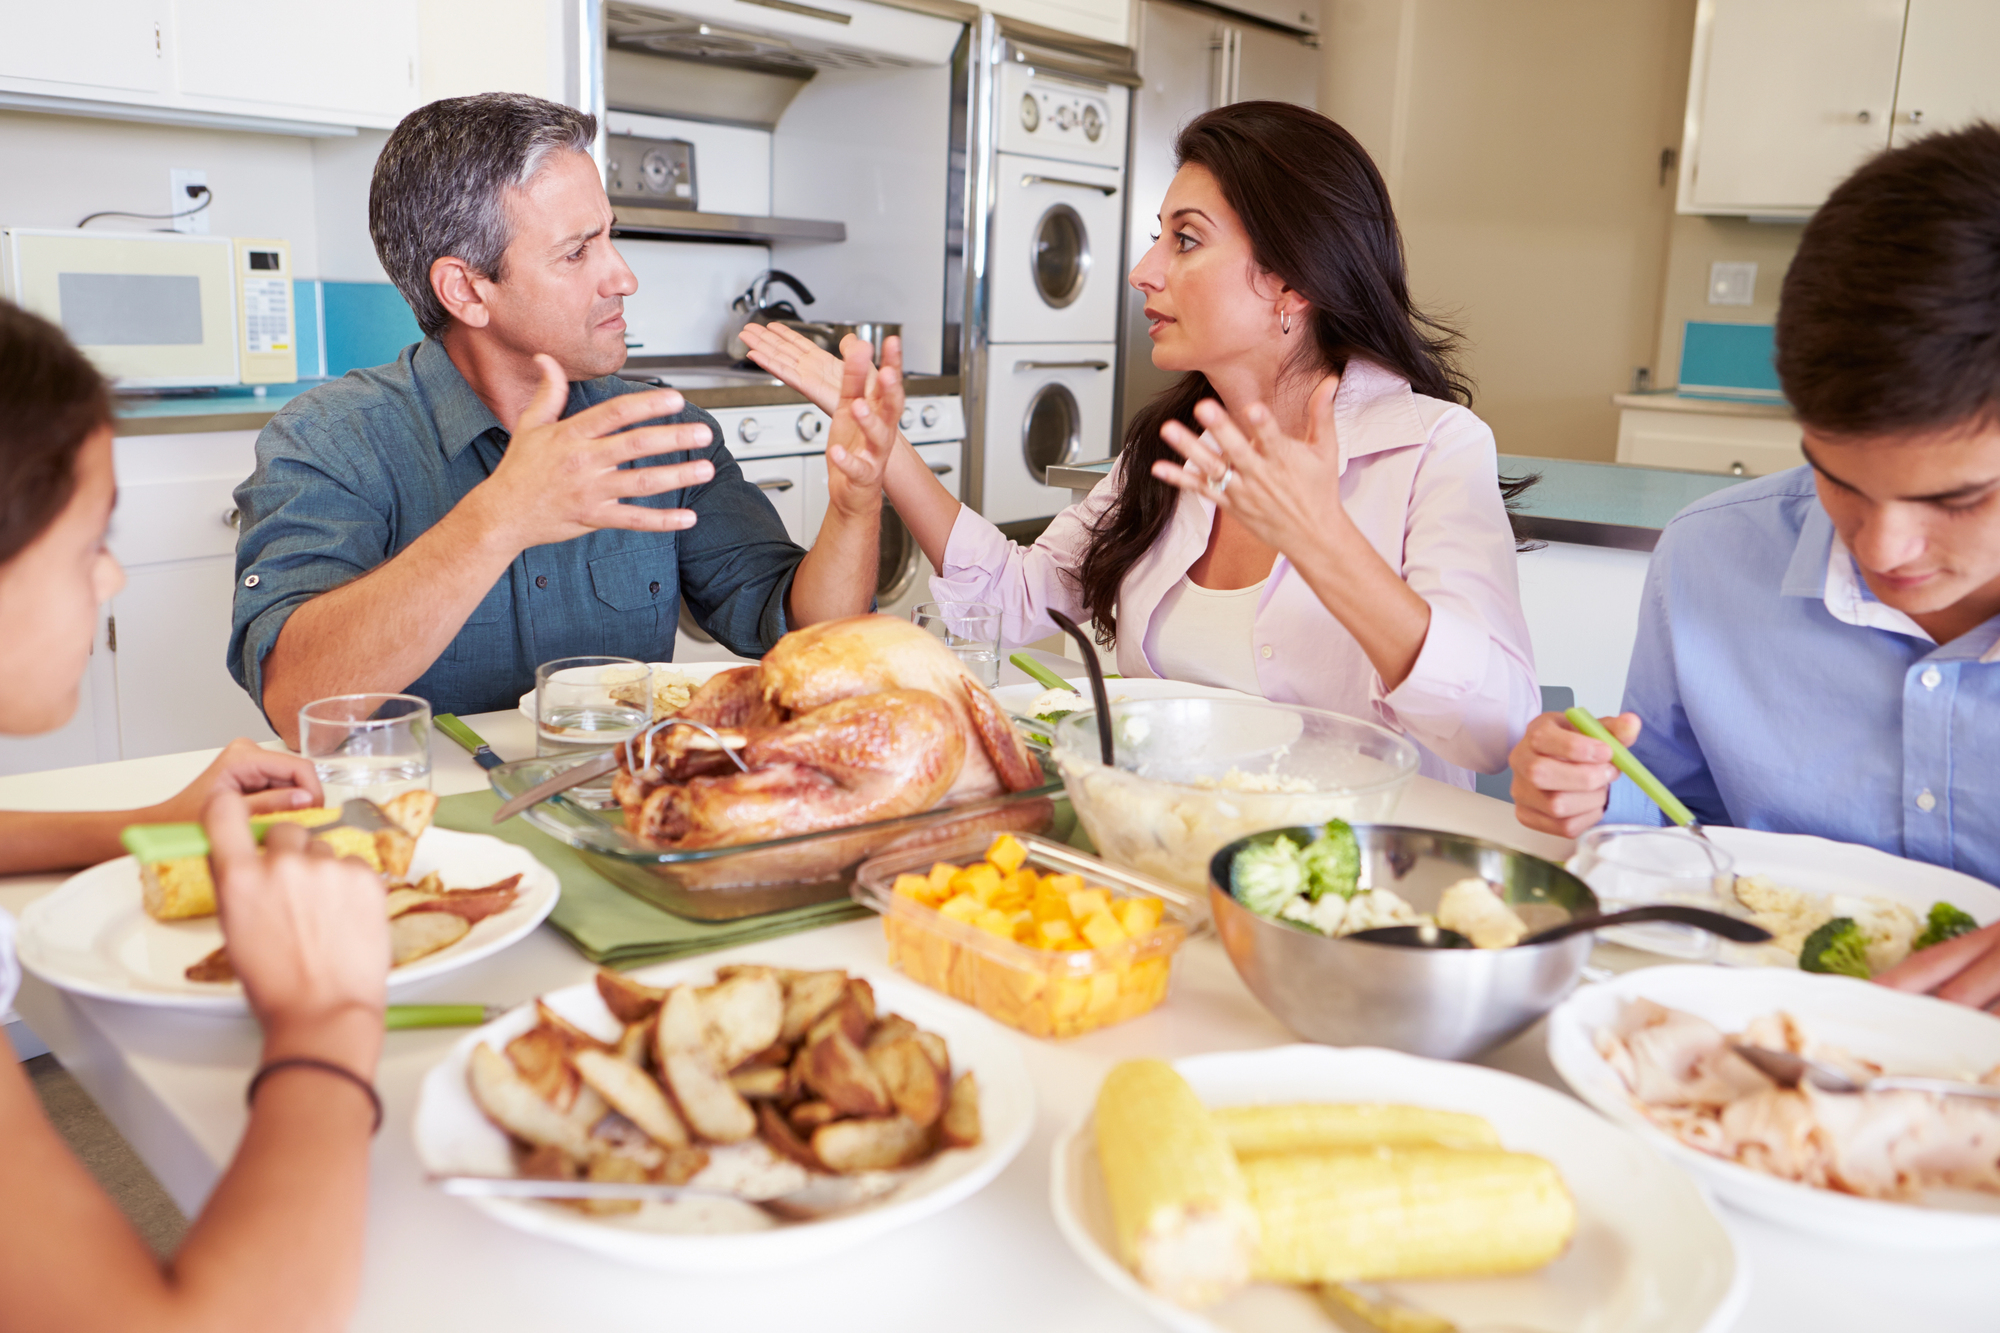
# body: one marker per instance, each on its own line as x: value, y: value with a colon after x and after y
x: 376, y: 746
x: 586, y: 705
x: 970, y: 629
x: 1636, y: 865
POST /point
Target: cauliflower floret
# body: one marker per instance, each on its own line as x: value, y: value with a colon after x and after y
x: 1056, y: 701
x: 1376, y: 907
x: 1328, y: 916
x: 1474, y: 910
x: 1888, y: 926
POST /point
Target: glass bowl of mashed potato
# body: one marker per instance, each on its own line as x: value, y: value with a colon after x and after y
x: 1193, y: 774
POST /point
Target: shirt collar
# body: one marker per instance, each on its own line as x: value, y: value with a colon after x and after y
x: 459, y: 414
x: 1822, y: 567
x: 1374, y: 410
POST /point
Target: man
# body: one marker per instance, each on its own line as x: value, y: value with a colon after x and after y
x: 1819, y: 650
x: 496, y: 497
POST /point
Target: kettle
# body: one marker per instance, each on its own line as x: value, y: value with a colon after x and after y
x: 755, y: 306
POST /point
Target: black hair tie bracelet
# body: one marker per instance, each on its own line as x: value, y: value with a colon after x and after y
x: 325, y: 1066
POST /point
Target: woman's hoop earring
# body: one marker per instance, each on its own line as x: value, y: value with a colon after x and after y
x: 1286, y: 316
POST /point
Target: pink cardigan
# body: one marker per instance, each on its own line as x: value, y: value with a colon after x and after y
x: 1420, y: 478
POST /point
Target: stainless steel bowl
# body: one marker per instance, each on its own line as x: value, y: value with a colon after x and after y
x: 1448, y: 1003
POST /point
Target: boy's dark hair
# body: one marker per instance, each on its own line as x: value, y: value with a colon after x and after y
x: 51, y: 400
x: 1890, y: 317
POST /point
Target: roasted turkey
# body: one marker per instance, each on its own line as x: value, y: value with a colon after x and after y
x: 842, y: 723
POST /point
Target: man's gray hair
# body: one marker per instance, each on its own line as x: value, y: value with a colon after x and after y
x: 440, y: 186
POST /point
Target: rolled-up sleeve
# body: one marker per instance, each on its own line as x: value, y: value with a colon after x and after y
x: 1025, y: 582
x: 736, y: 562
x: 306, y: 530
x: 1472, y: 691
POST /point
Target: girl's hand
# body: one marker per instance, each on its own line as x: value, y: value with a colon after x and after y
x: 307, y: 935
x: 863, y: 434
x: 1273, y: 485
x: 268, y: 780
x: 797, y: 360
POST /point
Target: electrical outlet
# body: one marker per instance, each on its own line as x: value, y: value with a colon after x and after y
x: 1732, y: 284
x: 189, y: 191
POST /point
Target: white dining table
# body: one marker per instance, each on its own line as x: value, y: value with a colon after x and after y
x: 173, y: 1083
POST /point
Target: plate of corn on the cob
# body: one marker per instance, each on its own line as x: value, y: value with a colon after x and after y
x: 1314, y: 1188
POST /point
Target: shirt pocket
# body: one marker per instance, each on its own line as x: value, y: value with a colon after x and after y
x: 636, y: 585
x: 477, y: 637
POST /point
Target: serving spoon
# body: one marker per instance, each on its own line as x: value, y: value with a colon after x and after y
x: 1443, y: 937
x: 1788, y: 1071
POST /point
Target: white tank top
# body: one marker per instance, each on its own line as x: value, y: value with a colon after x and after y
x: 1206, y: 635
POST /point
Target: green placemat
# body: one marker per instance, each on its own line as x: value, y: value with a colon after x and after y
x: 610, y: 926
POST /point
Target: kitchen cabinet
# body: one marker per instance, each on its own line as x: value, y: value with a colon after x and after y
x: 233, y: 63
x: 1103, y: 20
x: 1705, y: 435
x: 1947, y: 78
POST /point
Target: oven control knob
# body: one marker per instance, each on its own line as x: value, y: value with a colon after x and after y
x: 931, y: 415
x: 1065, y: 117
x: 749, y: 430
x: 909, y: 418
x: 1031, y: 113
x: 809, y: 425
x: 1093, y: 124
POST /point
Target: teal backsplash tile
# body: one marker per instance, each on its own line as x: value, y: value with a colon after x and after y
x: 1731, y: 359
x: 311, y: 340
x: 366, y: 324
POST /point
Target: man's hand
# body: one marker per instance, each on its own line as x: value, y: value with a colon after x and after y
x: 863, y: 434
x: 562, y: 478
x: 1562, y: 778
x: 1964, y: 971
x: 268, y: 780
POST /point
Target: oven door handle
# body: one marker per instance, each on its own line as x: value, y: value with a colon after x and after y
x: 1106, y: 190
x: 780, y: 484
x: 1020, y: 366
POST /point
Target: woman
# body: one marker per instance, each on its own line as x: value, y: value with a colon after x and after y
x: 278, y: 1245
x: 1311, y: 514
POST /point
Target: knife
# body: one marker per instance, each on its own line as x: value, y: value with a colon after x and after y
x: 482, y: 753
x: 174, y: 842
x: 594, y: 767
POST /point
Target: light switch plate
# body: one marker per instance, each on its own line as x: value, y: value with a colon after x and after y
x: 1732, y: 283
x: 182, y: 201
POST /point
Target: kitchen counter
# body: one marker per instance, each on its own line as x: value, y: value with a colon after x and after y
x: 1708, y: 404
x: 242, y: 408
x: 1585, y: 504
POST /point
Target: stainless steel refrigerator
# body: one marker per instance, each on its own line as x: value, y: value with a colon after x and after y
x: 1192, y: 58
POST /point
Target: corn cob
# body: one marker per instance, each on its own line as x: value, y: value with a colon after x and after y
x: 1253, y: 1131
x: 1178, y: 1203
x: 1406, y: 1213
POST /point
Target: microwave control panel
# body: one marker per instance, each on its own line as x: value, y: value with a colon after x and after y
x: 649, y: 173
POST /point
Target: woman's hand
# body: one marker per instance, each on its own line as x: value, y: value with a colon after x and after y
x: 798, y: 361
x: 307, y: 935
x: 268, y: 780
x: 1275, y: 486
x: 863, y: 434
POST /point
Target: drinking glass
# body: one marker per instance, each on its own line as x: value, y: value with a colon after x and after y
x: 372, y: 745
x: 970, y: 629
x: 586, y: 705
x: 1635, y: 865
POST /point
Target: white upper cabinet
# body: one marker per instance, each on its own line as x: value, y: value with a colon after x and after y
x: 1785, y: 98
x: 1103, y: 20
x: 250, y: 64
x: 1951, y: 49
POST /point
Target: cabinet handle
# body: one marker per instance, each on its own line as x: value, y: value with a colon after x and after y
x: 781, y: 484
x: 232, y: 517
x: 1916, y: 118
x: 1107, y: 190
x: 942, y: 469
x: 1738, y: 470
x: 1863, y: 117
x: 1061, y: 365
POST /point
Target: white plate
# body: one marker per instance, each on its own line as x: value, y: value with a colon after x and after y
x: 1907, y: 1034
x: 454, y: 1137
x: 1649, y: 1255
x: 92, y: 935
x: 698, y: 672
x: 1015, y: 698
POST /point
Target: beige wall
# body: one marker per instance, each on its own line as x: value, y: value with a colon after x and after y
x: 1521, y: 142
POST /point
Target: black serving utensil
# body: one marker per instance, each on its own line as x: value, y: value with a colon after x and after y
x: 1715, y: 923
x: 1097, y: 692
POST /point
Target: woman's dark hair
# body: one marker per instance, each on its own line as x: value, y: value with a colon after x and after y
x: 1890, y: 317
x: 1318, y: 216
x: 51, y: 400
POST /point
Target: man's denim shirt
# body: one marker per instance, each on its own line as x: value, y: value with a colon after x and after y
x: 352, y: 472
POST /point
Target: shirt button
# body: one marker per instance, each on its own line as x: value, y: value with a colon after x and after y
x: 1931, y: 677
x: 541, y: 580
x: 1925, y: 801
x: 653, y: 588
x: 1267, y: 651
x: 251, y: 581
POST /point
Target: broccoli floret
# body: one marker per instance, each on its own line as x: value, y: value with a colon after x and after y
x: 1838, y: 946
x: 1266, y: 875
x: 1946, y: 923
x: 1333, y: 862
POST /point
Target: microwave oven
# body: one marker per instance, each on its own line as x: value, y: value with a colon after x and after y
x: 161, y: 310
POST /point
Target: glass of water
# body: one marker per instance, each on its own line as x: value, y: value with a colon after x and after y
x: 372, y: 745
x: 1636, y: 865
x: 586, y: 705
x: 970, y: 629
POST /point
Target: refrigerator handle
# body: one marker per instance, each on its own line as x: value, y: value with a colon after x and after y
x: 1225, y: 65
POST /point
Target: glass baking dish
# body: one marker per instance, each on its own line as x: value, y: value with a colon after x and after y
x: 1042, y: 992
x: 726, y: 883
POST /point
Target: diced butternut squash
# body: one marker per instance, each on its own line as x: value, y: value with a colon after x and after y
x: 1085, y: 903
x: 1007, y: 853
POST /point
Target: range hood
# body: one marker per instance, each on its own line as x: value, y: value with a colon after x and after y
x: 782, y: 36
